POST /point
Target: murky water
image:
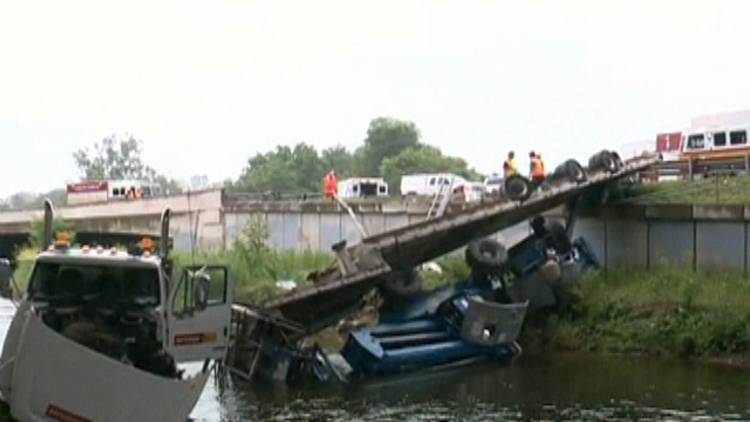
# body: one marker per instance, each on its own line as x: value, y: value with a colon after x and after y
x: 560, y: 387
x: 556, y: 387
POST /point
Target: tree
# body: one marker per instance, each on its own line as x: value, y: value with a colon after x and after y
x: 423, y: 159
x: 272, y: 171
x: 339, y: 159
x: 386, y: 138
x: 117, y: 159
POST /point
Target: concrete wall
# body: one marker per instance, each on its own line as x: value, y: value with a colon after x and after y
x: 318, y: 231
x: 693, y: 236
x: 701, y: 237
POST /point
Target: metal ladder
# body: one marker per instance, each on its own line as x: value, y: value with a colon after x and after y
x: 444, y: 193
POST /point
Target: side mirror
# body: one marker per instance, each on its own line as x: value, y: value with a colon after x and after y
x: 6, y: 274
x: 202, y: 287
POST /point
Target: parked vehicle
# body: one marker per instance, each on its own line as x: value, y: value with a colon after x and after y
x: 710, y: 139
x: 494, y: 184
x: 102, y: 191
x: 362, y: 187
x: 104, y: 317
x: 429, y: 184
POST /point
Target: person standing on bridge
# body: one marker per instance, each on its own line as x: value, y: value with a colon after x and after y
x: 537, y: 169
x: 509, y: 166
x: 330, y: 184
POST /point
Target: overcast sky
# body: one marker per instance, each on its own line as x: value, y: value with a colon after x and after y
x: 207, y: 84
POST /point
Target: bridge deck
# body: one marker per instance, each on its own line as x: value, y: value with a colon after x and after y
x: 333, y: 294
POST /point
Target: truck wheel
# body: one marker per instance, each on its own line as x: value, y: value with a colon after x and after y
x: 559, y: 237
x: 401, y: 283
x: 486, y: 256
x: 571, y: 170
x: 575, y: 171
x: 517, y: 187
x: 603, y: 160
x: 618, y: 161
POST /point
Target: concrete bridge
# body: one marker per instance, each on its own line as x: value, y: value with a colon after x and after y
x: 217, y: 217
x: 634, y: 235
x: 203, y: 209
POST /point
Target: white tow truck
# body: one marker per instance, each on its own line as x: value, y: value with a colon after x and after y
x: 99, y: 333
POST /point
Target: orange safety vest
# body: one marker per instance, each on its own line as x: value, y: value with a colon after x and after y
x: 537, y: 167
x: 330, y: 183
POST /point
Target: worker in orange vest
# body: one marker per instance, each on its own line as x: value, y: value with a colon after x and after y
x: 330, y: 184
x: 537, y: 168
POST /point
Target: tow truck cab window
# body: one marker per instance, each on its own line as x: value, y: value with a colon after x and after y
x: 82, y: 282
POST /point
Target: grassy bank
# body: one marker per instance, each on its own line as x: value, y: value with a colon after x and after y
x: 712, y: 190
x: 659, y: 312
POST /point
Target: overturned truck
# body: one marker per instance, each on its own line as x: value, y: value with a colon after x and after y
x: 269, y: 340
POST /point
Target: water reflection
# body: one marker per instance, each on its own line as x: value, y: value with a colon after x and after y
x: 556, y: 387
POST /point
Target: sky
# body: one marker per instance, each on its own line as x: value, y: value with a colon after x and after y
x: 206, y: 85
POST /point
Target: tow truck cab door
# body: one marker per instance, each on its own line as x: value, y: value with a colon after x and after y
x: 198, y: 327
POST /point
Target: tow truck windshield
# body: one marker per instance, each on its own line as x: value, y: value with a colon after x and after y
x: 73, y: 282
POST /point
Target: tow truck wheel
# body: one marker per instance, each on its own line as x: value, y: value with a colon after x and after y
x: 486, y: 257
x: 401, y: 283
x: 517, y: 187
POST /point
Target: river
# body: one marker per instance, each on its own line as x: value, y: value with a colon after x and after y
x: 561, y: 387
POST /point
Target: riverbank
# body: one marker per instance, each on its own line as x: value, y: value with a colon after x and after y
x: 664, y: 312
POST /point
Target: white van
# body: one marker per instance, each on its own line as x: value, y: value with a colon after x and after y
x: 428, y: 184
x: 494, y: 183
x: 360, y: 187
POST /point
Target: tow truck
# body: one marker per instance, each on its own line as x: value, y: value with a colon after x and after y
x: 99, y: 333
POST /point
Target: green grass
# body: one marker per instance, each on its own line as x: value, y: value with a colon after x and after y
x: 659, y: 312
x: 712, y: 190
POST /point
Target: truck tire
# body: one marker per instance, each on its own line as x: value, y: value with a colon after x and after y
x: 486, y: 256
x: 618, y: 161
x: 570, y: 170
x: 559, y: 237
x: 603, y: 160
x: 401, y: 284
x: 517, y: 187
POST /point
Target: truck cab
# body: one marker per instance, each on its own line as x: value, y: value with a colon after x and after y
x: 98, y: 314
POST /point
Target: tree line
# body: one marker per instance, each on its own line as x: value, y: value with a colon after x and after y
x: 390, y: 149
